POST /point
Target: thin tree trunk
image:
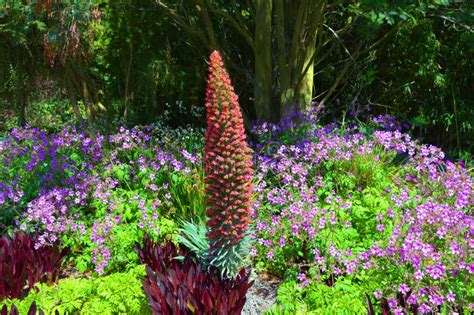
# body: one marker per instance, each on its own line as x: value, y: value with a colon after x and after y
x: 304, y: 74
x: 263, y: 60
x: 75, y: 106
x: 304, y: 89
x: 71, y: 87
x: 127, y: 84
x: 285, y: 91
x: 291, y: 53
x: 21, y: 105
x: 207, y: 21
x: 88, y: 103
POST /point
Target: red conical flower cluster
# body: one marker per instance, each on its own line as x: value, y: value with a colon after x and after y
x: 227, y: 161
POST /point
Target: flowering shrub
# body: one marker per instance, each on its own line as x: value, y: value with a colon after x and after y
x: 99, y: 195
x: 34, y: 163
x: 359, y: 210
x: 339, y: 205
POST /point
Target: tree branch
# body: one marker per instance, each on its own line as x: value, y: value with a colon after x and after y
x: 181, y: 23
x: 200, y: 4
x: 353, y: 57
x: 281, y: 41
x: 240, y: 28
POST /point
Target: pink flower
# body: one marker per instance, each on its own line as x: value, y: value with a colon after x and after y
x: 378, y: 294
x: 403, y: 288
x: 451, y: 297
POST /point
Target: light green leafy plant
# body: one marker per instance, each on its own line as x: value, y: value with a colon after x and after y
x: 119, y: 293
x: 345, y: 297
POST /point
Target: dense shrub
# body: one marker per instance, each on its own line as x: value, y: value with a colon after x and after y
x: 387, y: 213
x: 100, y: 195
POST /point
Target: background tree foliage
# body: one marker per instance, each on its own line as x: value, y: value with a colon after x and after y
x: 125, y: 60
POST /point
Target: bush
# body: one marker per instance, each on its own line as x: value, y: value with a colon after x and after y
x: 378, y: 209
x: 117, y: 293
x: 99, y: 196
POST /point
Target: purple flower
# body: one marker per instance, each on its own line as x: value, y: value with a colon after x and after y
x: 451, y: 297
x: 392, y: 303
x: 378, y: 294
x: 403, y: 288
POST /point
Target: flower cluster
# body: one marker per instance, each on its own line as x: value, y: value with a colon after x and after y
x: 90, y: 190
x: 227, y: 161
x: 389, y: 123
x: 348, y: 204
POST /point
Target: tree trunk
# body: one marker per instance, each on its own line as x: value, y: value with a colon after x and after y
x: 304, y: 90
x: 21, y: 105
x: 88, y: 103
x: 75, y: 106
x: 263, y: 61
x: 126, y: 110
x: 298, y: 76
x: 285, y: 92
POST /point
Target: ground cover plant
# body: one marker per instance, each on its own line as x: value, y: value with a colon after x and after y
x: 379, y: 214
x: 119, y: 292
x: 352, y: 217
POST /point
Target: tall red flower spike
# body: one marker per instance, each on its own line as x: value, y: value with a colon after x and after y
x: 227, y: 162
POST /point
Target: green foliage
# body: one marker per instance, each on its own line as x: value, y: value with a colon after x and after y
x: 39, y: 40
x: 345, y: 297
x: 194, y: 238
x: 416, y: 63
x: 188, y: 198
x: 140, y: 58
x: 228, y: 260
x: 119, y: 293
x: 366, y: 169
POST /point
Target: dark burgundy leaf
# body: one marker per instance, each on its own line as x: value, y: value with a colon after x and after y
x: 32, y: 310
x: 14, y: 310
x: 370, y: 307
x: 181, y: 287
x: 21, y: 265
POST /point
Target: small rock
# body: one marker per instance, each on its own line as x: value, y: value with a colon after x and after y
x: 261, y: 296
